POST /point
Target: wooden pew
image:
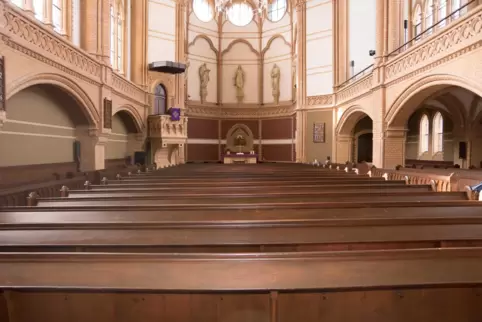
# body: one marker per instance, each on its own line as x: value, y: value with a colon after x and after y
x: 242, y: 272
x: 299, y: 230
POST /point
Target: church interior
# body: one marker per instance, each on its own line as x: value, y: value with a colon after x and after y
x: 240, y: 160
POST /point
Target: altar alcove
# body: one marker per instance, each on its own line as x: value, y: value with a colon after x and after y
x: 239, y: 139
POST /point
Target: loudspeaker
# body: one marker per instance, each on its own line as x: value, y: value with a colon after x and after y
x: 140, y: 157
x: 352, y: 63
x: 463, y: 150
x: 405, y: 24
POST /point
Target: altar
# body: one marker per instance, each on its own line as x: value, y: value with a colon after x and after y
x: 246, y: 158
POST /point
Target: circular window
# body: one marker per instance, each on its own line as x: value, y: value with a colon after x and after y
x: 203, y: 10
x: 240, y: 14
x: 276, y: 10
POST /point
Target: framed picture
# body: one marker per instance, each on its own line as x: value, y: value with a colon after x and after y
x: 318, y: 132
x: 107, y: 113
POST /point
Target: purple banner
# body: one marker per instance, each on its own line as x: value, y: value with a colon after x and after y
x: 175, y: 113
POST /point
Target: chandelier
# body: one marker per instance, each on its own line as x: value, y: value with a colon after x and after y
x: 221, y: 6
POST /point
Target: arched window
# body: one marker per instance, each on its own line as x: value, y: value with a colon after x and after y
x: 117, y: 30
x: 442, y: 12
x: 160, y: 100
x: 276, y: 10
x: 38, y: 7
x: 240, y: 14
x: 438, y: 133
x: 203, y: 9
x: 57, y: 15
x: 424, y: 134
x: 417, y: 22
x: 428, y: 16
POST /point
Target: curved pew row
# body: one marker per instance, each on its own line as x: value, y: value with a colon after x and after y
x: 234, y: 272
x: 302, y: 230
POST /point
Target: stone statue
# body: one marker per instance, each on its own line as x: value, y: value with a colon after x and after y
x: 239, y: 83
x: 204, y: 80
x: 275, y: 78
x: 240, y: 141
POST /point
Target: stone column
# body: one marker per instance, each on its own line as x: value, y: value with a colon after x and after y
x: 344, y: 148
x: 395, y: 25
x: 103, y: 20
x: 90, y: 38
x: 92, y: 149
x: 28, y: 6
x: 380, y: 47
x: 48, y: 12
x: 301, y: 78
x: 340, y: 18
x: 181, y: 13
x: 139, y: 42
x: 393, y: 148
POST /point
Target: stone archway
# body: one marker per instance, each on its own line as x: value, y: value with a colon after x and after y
x: 444, y: 93
x: 240, y: 138
x: 347, y: 135
x: 65, y: 84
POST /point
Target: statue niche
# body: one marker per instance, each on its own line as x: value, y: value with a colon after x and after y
x: 239, y: 139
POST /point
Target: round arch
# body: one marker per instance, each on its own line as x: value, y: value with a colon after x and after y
x: 133, y: 114
x: 409, y: 100
x: 64, y: 83
x: 350, y: 118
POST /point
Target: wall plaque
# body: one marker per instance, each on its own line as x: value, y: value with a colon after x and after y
x: 107, y: 113
x: 319, y: 132
x: 3, y: 94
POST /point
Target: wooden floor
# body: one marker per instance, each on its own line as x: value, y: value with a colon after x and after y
x: 264, y: 242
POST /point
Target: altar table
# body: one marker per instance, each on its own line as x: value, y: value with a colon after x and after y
x: 240, y: 158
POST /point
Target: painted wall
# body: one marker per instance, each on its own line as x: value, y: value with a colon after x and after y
x: 161, y: 43
x: 39, y: 129
x: 319, y: 47
x: 361, y: 33
x: 314, y: 150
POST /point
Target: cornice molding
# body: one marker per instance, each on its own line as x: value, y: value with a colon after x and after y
x: 239, y: 111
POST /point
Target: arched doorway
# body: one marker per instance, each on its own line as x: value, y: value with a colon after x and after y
x: 354, y: 136
x: 160, y: 100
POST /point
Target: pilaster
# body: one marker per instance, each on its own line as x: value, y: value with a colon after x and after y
x: 394, y: 24
x: 301, y: 81
x: 394, y: 147
x: 92, y: 148
x: 48, y: 12
x: 181, y: 13
x: 139, y: 42
x: 89, y: 39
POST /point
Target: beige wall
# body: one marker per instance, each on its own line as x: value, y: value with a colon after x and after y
x: 319, y: 150
x: 40, y: 128
x: 319, y: 47
x: 161, y: 30
x: 117, y: 143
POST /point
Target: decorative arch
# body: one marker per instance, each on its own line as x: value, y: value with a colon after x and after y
x: 134, y: 114
x: 244, y: 41
x: 410, y: 99
x: 350, y: 118
x: 205, y: 37
x: 243, y: 129
x: 85, y: 102
x: 270, y: 41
